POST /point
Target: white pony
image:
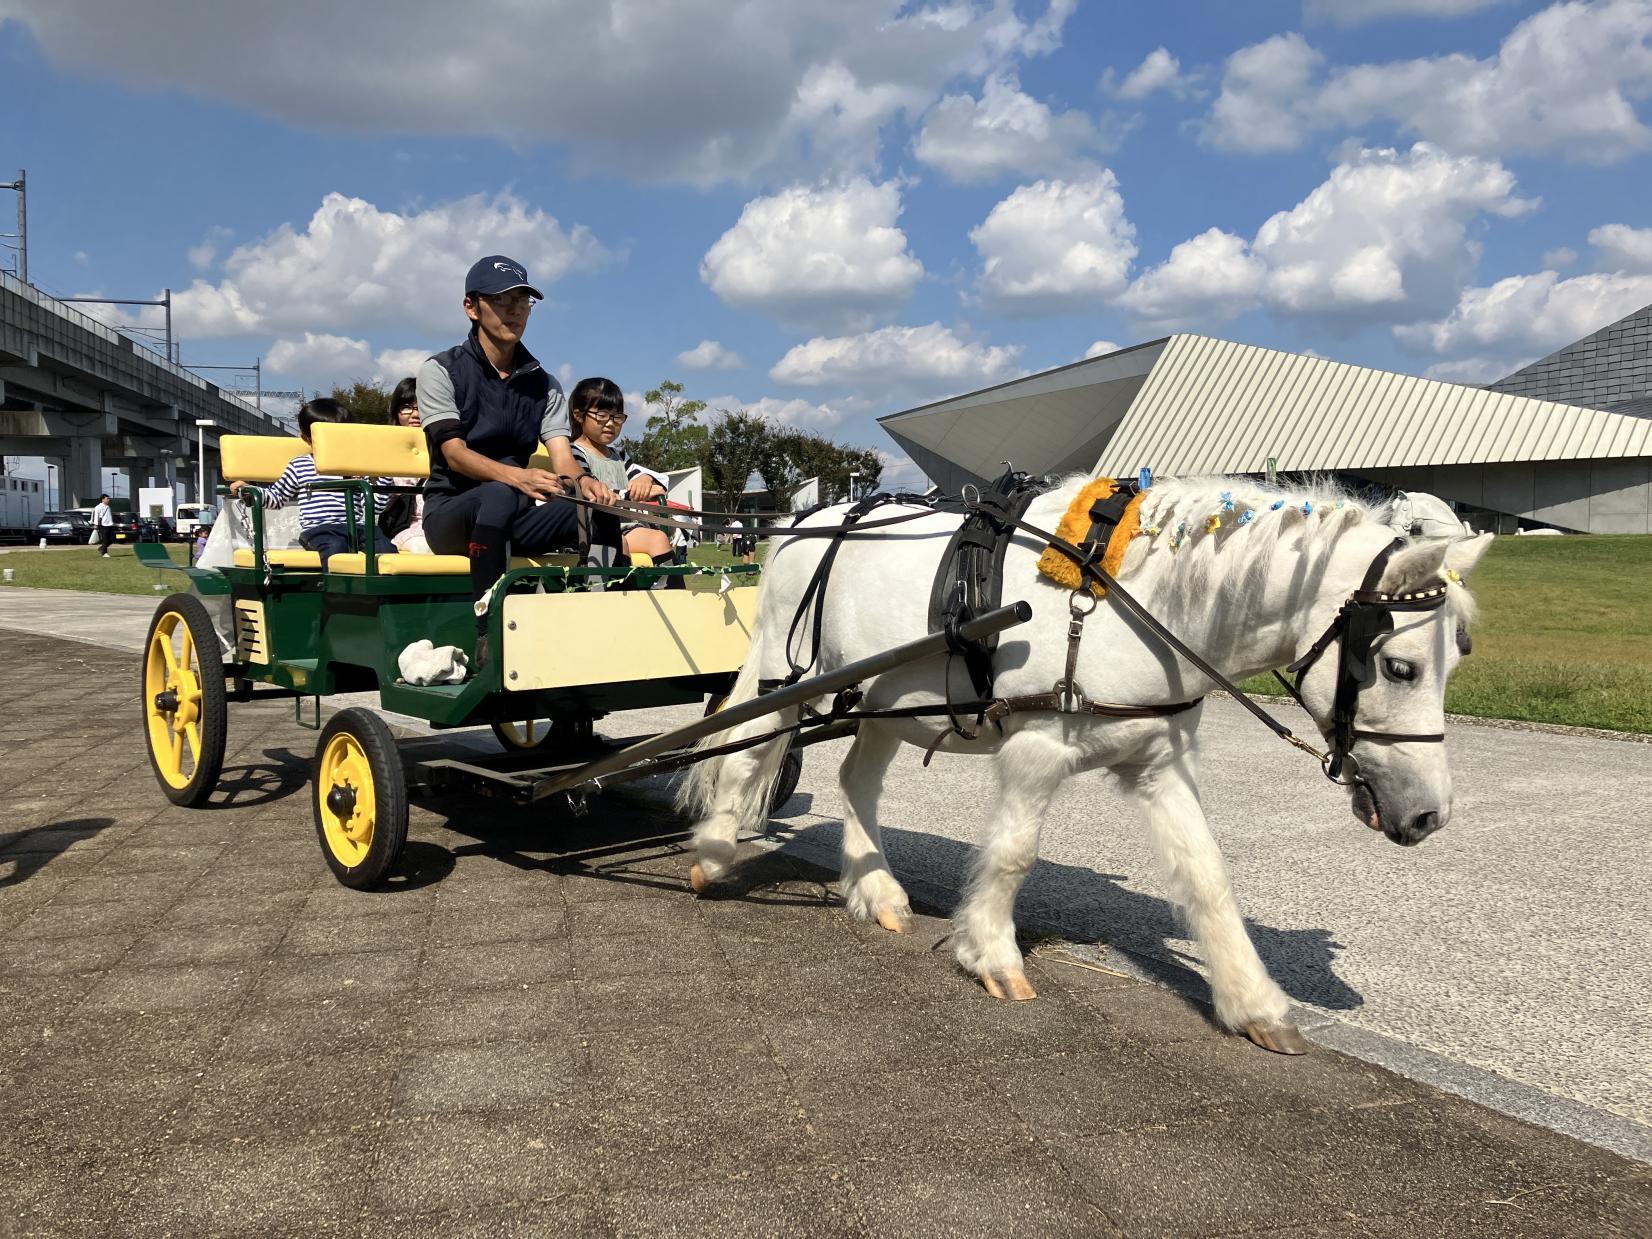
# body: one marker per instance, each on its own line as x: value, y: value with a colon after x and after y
x: 1246, y: 575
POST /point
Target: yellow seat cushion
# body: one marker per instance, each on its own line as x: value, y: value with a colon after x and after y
x: 351, y: 450
x: 355, y: 564
x: 294, y: 558
x: 258, y: 458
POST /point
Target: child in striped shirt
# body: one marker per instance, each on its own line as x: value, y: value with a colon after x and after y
x: 323, y: 518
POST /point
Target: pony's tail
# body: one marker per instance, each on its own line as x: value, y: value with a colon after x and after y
x: 697, y: 793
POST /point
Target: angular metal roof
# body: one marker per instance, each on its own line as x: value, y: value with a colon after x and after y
x: 1212, y: 406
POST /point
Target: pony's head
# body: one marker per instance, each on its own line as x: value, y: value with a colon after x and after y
x: 1391, y: 667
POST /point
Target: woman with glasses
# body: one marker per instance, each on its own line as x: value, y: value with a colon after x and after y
x: 597, y: 408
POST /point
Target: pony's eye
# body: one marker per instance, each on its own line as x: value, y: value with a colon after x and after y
x: 1399, y: 669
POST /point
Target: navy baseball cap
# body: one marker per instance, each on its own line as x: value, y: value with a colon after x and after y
x: 497, y: 274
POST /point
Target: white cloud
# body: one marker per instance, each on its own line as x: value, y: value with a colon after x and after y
x: 1356, y: 12
x: 896, y: 358
x: 1385, y: 238
x: 1055, y: 246
x: 800, y: 414
x: 1564, y: 81
x: 1209, y: 278
x: 1623, y: 248
x: 1530, y: 314
x: 827, y: 257
x: 1159, y: 70
x: 1555, y: 259
x: 1100, y: 349
x: 901, y: 474
x: 82, y: 257
x: 693, y: 90
x: 357, y: 268
x: 710, y: 355
x: 1475, y: 371
x: 205, y: 254
x: 319, y: 360
x: 1004, y: 131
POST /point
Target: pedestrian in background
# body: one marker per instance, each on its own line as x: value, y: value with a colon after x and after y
x: 103, y: 525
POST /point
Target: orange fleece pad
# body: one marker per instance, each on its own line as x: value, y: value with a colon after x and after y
x: 1075, y: 527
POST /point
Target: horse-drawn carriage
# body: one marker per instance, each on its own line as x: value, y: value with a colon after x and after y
x: 570, y: 644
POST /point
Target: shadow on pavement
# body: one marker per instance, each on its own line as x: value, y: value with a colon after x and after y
x: 261, y: 783
x: 30, y: 851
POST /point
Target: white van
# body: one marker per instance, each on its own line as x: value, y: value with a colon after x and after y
x: 192, y: 515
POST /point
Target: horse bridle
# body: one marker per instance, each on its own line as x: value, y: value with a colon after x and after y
x: 1361, y: 623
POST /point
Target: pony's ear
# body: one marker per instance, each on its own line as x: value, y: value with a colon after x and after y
x: 1416, y: 567
x: 1464, y: 553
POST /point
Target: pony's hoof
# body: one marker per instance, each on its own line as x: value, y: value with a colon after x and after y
x: 698, y: 880
x: 896, y: 920
x: 1280, y: 1038
x: 1011, y: 985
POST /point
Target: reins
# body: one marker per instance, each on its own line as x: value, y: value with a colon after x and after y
x: 1362, y: 620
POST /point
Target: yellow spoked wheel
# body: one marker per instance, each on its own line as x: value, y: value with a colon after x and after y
x: 360, y: 798
x: 185, y: 712
x: 537, y: 733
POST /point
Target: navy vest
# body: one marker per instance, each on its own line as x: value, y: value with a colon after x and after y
x: 498, y: 418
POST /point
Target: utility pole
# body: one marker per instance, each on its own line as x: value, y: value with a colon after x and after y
x: 21, y: 185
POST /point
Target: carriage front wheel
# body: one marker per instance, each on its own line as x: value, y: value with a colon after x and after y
x: 185, y: 710
x: 360, y: 798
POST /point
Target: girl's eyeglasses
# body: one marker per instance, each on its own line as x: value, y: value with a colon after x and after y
x: 613, y: 419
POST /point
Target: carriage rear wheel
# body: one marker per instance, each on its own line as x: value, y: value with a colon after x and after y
x: 360, y: 798
x: 537, y: 733
x: 185, y: 712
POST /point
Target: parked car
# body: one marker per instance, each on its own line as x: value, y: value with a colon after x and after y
x: 156, y: 529
x: 67, y: 527
x: 126, y: 526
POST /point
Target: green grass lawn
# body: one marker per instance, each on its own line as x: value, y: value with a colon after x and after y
x: 1564, y: 635
x: 80, y: 568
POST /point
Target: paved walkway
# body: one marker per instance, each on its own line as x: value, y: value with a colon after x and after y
x: 1508, y: 959
x: 538, y: 1031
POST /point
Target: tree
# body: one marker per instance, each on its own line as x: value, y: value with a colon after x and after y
x: 364, y: 401
x: 815, y: 456
x: 672, y: 437
x: 735, y: 448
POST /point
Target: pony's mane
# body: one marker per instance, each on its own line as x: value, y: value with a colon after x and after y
x: 1178, y: 514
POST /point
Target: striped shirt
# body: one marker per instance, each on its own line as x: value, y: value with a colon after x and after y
x: 315, y: 507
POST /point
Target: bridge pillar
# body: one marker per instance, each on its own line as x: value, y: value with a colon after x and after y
x: 83, y: 471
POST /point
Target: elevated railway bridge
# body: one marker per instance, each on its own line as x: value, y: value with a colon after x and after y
x: 87, y: 397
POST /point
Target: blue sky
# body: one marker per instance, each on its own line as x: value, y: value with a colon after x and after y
x: 827, y: 213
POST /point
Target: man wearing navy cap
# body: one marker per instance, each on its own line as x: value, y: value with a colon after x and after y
x: 486, y: 405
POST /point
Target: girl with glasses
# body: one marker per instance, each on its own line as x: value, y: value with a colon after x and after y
x: 597, y: 410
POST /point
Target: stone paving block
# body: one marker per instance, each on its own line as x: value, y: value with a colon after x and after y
x: 206, y: 944
x: 70, y: 920
x: 134, y: 858
x: 307, y: 978
x: 912, y: 1111
x: 46, y: 824
x: 331, y: 935
x: 496, y: 964
x: 238, y: 1101
x: 159, y: 887
x: 565, y: 1217
x: 698, y: 1132
x: 611, y: 917
x: 306, y: 1185
x: 679, y: 1000
x: 294, y: 1028
x: 499, y: 1075
x: 70, y: 955
x: 176, y: 987
x: 30, y: 1002
x: 685, y: 950
x: 650, y: 1062
x: 528, y: 921
x: 129, y: 1042
x: 451, y: 1162
x: 869, y: 1041
x: 475, y: 1016
x: 69, y: 1193
x: 1084, y: 1095
x: 333, y: 900
x: 218, y: 908
x: 1009, y: 1194
x: 796, y: 1204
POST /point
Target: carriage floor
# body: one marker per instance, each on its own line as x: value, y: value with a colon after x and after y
x: 539, y: 1031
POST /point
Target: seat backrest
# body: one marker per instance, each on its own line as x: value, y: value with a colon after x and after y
x: 258, y: 458
x: 348, y: 450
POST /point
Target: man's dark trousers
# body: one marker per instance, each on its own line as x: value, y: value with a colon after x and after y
x: 490, y: 521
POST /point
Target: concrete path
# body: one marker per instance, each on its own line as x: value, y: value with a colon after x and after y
x: 535, y: 1029
x: 1508, y: 959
